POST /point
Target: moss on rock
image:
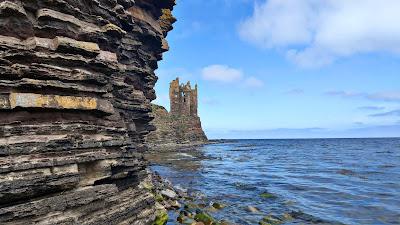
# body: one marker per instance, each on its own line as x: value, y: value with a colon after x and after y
x: 161, y: 218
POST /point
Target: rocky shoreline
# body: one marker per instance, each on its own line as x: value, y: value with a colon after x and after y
x: 176, y: 204
x: 189, y: 206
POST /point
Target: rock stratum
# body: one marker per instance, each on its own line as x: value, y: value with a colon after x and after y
x: 76, y: 82
x: 175, y: 129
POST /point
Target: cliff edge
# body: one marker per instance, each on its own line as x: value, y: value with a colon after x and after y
x: 76, y: 82
x: 182, y: 124
x: 175, y: 129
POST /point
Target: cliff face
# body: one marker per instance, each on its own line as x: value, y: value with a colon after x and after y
x: 76, y: 81
x: 175, y: 129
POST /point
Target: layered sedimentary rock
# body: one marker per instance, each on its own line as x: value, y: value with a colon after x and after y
x: 76, y: 81
x: 175, y: 129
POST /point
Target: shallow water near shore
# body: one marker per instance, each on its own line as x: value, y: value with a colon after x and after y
x: 334, y: 181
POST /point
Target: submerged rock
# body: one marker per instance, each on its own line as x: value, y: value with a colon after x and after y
x: 271, y: 220
x: 252, y: 209
x: 267, y: 195
x: 204, y: 218
x: 218, y: 205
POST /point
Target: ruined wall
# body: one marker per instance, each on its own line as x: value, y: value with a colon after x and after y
x: 175, y: 129
x: 76, y: 81
x: 183, y: 99
x: 182, y: 124
x: 175, y: 97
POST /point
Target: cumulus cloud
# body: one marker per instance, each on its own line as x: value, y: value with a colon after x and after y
x: 253, y: 82
x: 226, y: 74
x: 317, y: 32
x: 388, y: 96
x: 222, y: 73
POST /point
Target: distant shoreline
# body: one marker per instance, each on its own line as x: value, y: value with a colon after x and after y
x: 237, y: 139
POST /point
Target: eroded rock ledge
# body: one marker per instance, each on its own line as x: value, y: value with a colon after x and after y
x: 76, y: 81
x: 174, y: 129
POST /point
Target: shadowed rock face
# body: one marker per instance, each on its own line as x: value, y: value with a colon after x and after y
x: 175, y: 129
x: 76, y: 81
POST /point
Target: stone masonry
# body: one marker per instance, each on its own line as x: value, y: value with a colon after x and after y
x: 182, y: 124
x: 183, y: 99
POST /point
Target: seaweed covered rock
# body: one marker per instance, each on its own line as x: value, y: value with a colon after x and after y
x: 76, y: 82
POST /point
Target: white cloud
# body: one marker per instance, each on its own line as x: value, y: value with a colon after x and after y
x: 317, y: 32
x: 253, y: 82
x: 226, y: 74
x: 221, y: 73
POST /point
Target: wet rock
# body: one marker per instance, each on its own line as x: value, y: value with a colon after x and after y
x: 204, y: 218
x: 267, y: 195
x: 169, y: 194
x: 148, y: 186
x: 175, y: 204
x: 287, y: 216
x: 198, y: 223
x: 161, y: 218
x: 159, y: 198
x: 346, y: 172
x: 224, y: 222
x: 211, y: 209
x: 252, y: 209
x: 306, y: 217
x: 191, y: 207
x: 218, y: 205
x: 272, y: 220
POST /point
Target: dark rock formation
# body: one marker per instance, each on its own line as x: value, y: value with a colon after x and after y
x: 76, y: 81
x: 182, y: 125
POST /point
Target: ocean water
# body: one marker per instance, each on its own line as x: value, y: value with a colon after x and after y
x: 336, y: 181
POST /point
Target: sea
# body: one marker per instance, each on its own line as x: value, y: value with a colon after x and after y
x: 321, y: 181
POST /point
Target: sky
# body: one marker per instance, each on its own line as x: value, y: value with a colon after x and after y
x: 288, y: 69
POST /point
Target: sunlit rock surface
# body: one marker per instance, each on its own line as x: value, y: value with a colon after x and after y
x: 76, y: 81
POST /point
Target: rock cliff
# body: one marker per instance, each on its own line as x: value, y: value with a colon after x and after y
x: 175, y: 129
x: 182, y: 124
x: 76, y: 81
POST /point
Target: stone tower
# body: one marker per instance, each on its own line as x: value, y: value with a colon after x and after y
x: 183, y: 99
x: 182, y: 124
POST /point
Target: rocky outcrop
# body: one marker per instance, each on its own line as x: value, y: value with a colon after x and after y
x: 175, y: 129
x: 76, y: 81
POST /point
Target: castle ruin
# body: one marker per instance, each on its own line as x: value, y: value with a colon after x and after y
x: 183, y: 99
x: 182, y: 124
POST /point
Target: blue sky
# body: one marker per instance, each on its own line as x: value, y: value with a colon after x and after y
x: 288, y: 69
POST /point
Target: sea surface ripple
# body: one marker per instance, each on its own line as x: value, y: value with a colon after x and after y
x: 345, y: 181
